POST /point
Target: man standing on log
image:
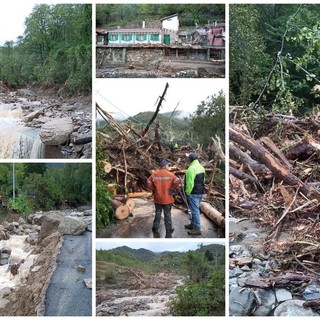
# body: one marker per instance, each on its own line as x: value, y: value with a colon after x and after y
x: 194, y: 189
x: 163, y: 183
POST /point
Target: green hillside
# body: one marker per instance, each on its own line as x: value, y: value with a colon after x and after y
x: 132, y: 15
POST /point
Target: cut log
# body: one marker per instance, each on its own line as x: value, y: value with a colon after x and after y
x: 143, y: 194
x: 112, y: 187
x: 121, y: 211
x: 277, y: 169
x: 129, y: 203
x: 214, y: 215
x: 107, y: 166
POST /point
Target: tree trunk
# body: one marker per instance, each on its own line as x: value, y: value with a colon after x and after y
x: 214, y: 215
x: 265, y: 157
x: 121, y: 211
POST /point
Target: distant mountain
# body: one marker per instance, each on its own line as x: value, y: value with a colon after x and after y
x: 140, y: 254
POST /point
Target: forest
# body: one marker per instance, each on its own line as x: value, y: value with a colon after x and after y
x: 204, y: 269
x: 274, y: 57
x: 111, y: 15
x: 55, y: 49
x: 27, y: 187
x: 206, y: 122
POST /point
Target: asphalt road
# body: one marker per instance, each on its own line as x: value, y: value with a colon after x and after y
x: 67, y: 294
x: 140, y: 224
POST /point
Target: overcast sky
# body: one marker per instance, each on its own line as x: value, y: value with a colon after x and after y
x: 131, y: 96
x: 155, y: 245
x: 12, y: 17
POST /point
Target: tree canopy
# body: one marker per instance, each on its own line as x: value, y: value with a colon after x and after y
x: 274, y: 56
x: 55, y: 48
x: 38, y: 186
x: 189, y: 14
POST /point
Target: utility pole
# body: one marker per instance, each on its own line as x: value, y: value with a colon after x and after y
x: 13, y: 182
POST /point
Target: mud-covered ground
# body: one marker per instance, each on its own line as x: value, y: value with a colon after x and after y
x: 164, y: 69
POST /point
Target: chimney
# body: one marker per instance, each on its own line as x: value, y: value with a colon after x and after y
x: 143, y: 24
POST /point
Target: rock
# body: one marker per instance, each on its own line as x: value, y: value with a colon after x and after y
x: 33, y: 115
x: 21, y: 221
x: 81, y: 138
x: 267, y: 301
x: 235, y: 272
x: 56, y: 132
x: 294, y: 308
x: 241, y: 301
x: 81, y: 268
x: 88, y: 283
x: 48, y: 227
x: 72, y: 226
x: 283, y: 295
x: 32, y: 238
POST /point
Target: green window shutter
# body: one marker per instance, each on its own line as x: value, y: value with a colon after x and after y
x: 130, y: 38
x: 117, y: 37
x: 157, y: 37
x: 137, y: 37
x: 152, y: 37
x: 109, y: 36
x: 122, y: 37
x: 144, y: 37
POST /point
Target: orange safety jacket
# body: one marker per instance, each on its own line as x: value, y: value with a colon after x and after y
x: 160, y: 182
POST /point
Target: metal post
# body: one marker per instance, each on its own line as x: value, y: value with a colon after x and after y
x: 13, y: 182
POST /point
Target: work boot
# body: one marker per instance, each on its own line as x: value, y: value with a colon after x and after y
x: 189, y: 226
x: 169, y: 233
x: 154, y: 229
x: 156, y: 234
x: 194, y: 232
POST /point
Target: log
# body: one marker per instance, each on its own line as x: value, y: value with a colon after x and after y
x: 143, y: 194
x: 107, y: 167
x: 241, y: 175
x: 214, y: 215
x: 129, y: 203
x: 121, y: 211
x: 112, y: 187
x: 277, y: 169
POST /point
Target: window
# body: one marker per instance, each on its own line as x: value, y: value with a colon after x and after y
x: 155, y: 37
x: 113, y: 37
x: 141, y: 37
x: 126, y: 37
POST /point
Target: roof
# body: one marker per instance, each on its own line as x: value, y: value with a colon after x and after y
x: 143, y: 30
x: 168, y: 17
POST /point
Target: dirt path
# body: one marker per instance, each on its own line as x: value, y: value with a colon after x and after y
x: 67, y: 294
x: 140, y: 224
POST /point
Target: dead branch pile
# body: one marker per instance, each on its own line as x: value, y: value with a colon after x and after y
x: 131, y: 156
x: 275, y: 178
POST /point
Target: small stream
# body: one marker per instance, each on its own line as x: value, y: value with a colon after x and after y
x: 16, y: 140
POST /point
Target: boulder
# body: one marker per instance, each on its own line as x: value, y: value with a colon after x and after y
x: 72, y: 226
x: 56, y: 132
x: 294, y: 308
x: 241, y: 301
x: 48, y: 227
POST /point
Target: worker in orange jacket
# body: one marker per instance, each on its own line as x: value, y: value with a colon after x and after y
x: 163, y: 183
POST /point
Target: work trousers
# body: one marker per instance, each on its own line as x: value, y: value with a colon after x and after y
x: 194, y: 204
x: 167, y: 216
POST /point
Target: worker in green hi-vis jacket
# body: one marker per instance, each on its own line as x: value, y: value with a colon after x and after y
x: 194, y: 181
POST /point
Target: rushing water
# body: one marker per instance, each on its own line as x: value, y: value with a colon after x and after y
x: 16, y: 140
x: 19, y: 250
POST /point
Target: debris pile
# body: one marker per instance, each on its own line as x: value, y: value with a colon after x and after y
x: 274, y: 182
x: 128, y: 158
